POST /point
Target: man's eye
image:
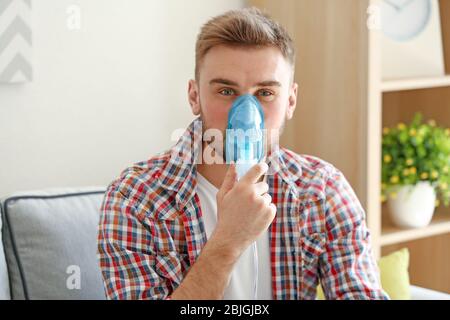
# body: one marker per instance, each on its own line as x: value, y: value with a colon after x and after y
x: 227, y: 92
x: 265, y: 93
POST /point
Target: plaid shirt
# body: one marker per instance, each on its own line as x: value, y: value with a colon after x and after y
x: 151, y: 228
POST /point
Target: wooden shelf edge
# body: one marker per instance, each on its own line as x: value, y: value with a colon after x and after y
x: 404, y: 235
x: 415, y: 83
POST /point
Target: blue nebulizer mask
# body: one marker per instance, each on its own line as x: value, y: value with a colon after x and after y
x: 245, y: 146
x: 244, y: 135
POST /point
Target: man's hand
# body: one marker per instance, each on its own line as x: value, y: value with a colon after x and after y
x: 244, y: 211
x: 244, y: 208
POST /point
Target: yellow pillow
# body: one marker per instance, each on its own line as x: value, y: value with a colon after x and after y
x: 394, y: 276
x: 320, y: 295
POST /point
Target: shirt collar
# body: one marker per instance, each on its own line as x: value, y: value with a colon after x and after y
x: 180, y: 173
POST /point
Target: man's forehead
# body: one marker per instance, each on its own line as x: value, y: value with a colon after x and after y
x: 241, y: 67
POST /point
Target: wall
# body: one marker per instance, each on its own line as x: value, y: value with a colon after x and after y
x: 103, y: 96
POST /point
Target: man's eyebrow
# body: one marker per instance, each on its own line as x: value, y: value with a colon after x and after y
x: 223, y: 81
x: 267, y: 83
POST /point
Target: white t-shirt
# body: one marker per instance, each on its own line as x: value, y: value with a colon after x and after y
x: 241, y: 286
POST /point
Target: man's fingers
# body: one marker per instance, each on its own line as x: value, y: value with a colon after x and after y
x: 255, y: 172
x: 229, y: 180
x: 267, y: 199
x: 261, y: 188
x: 273, y: 207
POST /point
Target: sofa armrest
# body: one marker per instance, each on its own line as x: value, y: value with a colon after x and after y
x: 418, y: 293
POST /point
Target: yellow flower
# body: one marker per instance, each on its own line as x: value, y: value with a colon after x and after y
x: 387, y: 158
x: 409, y: 162
x: 383, y: 198
x: 386, y: 130
x: 401, y: 126
x: 434, y: 174
x: 437, y: 203
x: 444, y: 186
x: 405, y: 172
x: 394, y: 179
x: 412, y: 132
x: 412, y: 170
x: 424, y: 175
x: 445, y: 169
x: 421, y: 132
x: 432, y: 123
x: 393, y: 195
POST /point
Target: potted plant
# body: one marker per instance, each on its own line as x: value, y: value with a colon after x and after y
x: 415, y: 171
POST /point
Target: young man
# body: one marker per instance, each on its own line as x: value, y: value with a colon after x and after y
x: 173, y: 227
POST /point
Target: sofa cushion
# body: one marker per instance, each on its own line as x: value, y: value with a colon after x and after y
x: 4, y: 282
x: 50, y: 243
x: 394, y: 274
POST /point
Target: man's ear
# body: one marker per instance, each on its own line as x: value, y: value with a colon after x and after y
x: 194, y: 97
x: 292, y: 102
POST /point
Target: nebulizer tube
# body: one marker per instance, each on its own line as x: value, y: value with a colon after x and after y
x: 245, y: 147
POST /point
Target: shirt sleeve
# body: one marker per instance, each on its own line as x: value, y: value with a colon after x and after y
x: 125, y: 252
x: 348, y: 268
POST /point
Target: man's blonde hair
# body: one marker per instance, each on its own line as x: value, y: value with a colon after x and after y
x: 248, y: 27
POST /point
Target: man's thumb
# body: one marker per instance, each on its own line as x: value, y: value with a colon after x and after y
x: 229, y: 180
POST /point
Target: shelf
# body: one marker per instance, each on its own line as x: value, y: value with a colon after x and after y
x: 392, y: 235
x: 415, y: 83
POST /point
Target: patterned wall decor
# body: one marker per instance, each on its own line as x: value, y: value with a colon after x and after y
x: 15, y: 41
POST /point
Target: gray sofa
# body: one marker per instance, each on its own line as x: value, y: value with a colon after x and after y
x: 49, y: 242
x: 48, y: 247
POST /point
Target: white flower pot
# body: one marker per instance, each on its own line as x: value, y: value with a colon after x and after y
x: 414, y: 205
